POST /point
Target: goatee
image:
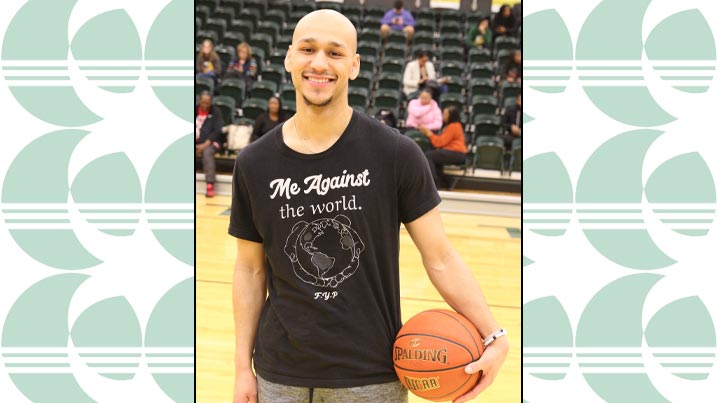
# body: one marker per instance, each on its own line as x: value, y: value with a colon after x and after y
x: 321, y: 105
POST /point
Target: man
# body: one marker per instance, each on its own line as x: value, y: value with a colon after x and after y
x: 513, y: 122
x: 398, y: 19
x: 207, y: 129
x: 417, y: 73
x: 319, y: 228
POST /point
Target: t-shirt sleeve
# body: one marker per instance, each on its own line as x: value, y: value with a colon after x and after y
x: 417, y: 192
x: 241, y: 220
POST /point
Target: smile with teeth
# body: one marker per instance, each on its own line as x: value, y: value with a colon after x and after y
x: 318, y: 80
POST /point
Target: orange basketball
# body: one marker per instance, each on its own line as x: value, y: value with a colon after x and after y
x: 431, y: 351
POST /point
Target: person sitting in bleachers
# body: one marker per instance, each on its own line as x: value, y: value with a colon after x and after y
x: 208, y: 124
x: 504, y: 23
x: 417, y: 73
x: 398, y: 19
x: 450, y: 145
x: 269, y: 120
x: 208, y: 63
x: 424, y: 111
x: 512, y: 70
x: 512, y: 122
x: 244, y: 66
x: 480, y: 34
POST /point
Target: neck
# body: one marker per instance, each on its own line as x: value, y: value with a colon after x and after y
x: 314, y: 130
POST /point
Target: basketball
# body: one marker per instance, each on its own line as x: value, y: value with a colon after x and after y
x: 431, y: 351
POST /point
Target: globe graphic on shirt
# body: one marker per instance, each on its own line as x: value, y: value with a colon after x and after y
x: 324, y: 252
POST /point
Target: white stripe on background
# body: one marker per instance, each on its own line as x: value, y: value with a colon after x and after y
x: 617, y: 360
x: 619, y: 350
x: 96, y: 350
x: 614, y: 226
x: 617, y: 216
x: 99, y: 360
x: 107, y: 370
x: 612, y: 370
x: 619, y: 63
x: 638, y: 74
x: 619, y: 206
x: 103, y: 226
x: 96, y: 73
x: 97, y: 206
x: 99, y: 216
x: 614, y: 83
x: 104, y: 83
x: 98, y: 63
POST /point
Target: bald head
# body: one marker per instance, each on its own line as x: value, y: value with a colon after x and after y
x: 326, y: 25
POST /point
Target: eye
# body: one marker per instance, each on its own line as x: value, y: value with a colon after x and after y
x: 334, y: 53
x: 308, y: 51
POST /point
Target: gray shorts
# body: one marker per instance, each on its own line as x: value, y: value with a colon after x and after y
x: 391, y: 392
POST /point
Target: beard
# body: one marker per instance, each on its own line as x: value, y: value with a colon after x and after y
x: 317, y: 105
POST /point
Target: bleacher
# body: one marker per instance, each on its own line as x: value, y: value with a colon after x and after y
x: 474, y: 87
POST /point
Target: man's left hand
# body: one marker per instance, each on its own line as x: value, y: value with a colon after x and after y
x: 489, y: 364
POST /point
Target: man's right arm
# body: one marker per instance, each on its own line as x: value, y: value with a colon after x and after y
x: 248, y: 295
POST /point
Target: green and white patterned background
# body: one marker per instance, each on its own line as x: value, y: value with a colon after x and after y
x: 619, y: 201
x: 97, y: 201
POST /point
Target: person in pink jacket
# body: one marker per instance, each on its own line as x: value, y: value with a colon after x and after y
x: 424, y: 111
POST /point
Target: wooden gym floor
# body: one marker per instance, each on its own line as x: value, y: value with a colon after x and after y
x: 489, y: 245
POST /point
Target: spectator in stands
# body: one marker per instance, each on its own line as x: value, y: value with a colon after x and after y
x: 417, y: 73
x: 398, y: 19
x: 512, y: 122
x: 512, y: 70
x: 208, y: 63
x: 480, y: 34
x: 244, y: 66
x: 504, y: 23
x: 207, y: 129
x: 450, y: 145
x: 424, y: 111
x: 269, y: 120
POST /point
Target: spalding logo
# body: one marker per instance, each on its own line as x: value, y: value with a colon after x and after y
x: 434, y: 355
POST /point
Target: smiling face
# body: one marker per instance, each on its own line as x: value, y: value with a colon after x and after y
x: 322, y: 58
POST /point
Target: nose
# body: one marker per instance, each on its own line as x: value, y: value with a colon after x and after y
x: 319, y: 62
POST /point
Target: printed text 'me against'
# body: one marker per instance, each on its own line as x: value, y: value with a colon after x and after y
x: 284, y: 187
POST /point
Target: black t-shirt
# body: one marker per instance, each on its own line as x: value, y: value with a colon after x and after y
x: 329, y: 224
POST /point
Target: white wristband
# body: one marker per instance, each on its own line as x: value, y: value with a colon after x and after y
x: 495, y: 335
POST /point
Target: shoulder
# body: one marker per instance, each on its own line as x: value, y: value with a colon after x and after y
x: 369, y: 125
x: 263, y: 149
x: 371, y: 133
x: 456, y: 127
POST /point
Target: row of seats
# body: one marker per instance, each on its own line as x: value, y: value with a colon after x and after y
x: 484, y: 152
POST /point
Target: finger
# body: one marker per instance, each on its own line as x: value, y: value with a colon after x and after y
x: 474, y: 367
x: 483, y: 383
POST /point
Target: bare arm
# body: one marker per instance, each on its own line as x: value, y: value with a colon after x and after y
x: 456, y: 284
x: 248, y: 295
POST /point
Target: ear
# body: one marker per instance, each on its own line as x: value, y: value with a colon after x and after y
x: 287, y: 60
x: 355, y: 66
